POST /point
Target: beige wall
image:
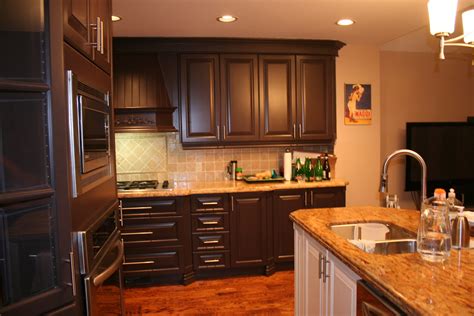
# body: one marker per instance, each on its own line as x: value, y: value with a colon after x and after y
x: 417, y: 87
x: 358, y: 146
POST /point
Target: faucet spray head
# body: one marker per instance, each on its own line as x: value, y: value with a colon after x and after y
x: 383, y: 183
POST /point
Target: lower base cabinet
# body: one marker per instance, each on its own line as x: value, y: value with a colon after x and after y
x: 323, y: 284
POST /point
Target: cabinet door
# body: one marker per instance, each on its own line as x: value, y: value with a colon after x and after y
x: 76, y: 25
x: 277, y: 104
x: 328, y: 197
x: 101, y: 54
x: 342, y: 288
x: 248, y: 229
x: 239, y: 79
x: 315, y: 98
x: 314, y: 292
x: 200, y: 99
x: 285, y: 202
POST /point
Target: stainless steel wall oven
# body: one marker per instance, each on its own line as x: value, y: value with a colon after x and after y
x: 89, y: 132
x: 100, y: 252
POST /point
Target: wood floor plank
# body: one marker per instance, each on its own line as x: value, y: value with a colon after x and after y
x: 244, y: 295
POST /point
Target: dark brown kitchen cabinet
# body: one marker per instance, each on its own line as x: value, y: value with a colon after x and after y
x: 210, y: 231
x: 315, y: 86
x: 200, y: 99
x: 327, y: 197
x: 277, y: 98
x: 142, y: 100
x: 156, y: 234
x: 285, y: 202
x: 239, y: 91
x: 87, y: 27
x: 248, y: 229
x: 36, y: 273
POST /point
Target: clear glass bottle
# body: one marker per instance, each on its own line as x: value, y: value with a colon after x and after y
x: 434, y: 231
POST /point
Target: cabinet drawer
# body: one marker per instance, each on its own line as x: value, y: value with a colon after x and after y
x: 210, y: 222
x: 143, y: 208
x: 161, y: 230
x: 211, y: 260
x: 156, y: 259
x: 216, y: 241
x: 209, y: 203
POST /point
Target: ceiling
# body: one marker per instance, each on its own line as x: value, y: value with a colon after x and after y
x: 377, y: 21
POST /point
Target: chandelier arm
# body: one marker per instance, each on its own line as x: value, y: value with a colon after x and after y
x: 457, y: 38
x: 459, y: 44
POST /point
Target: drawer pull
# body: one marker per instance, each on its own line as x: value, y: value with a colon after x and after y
x: 136, y: 215
x: 210, y: 203
x: 211, y: 241
x: 137, y: 233
x: 210, y: 223
x: 138, y: 262
x: 137, y: 208
x: 211, y: 261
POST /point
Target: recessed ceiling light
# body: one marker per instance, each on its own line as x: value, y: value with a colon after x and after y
x: 345, y: 22
x: 227, y: 18
x: 116, y: 18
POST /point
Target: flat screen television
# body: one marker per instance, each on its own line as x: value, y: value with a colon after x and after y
x: 448, y: 150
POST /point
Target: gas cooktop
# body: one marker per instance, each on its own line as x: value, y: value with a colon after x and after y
x: 143, y: 185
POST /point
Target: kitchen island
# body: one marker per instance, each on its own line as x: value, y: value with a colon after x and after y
x: 415, y: 286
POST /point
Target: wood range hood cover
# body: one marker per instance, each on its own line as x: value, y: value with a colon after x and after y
x: 141, y: 96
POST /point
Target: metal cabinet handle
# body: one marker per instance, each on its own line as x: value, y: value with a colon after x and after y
x: 138, y: 262
x: 232, y: 203
x: 218, y: 132
x: 137, y: 233
x: 320, y: 267
x: 136, y: 214
x: 121, y: 213
x: 211, y: 261
x: 305, y: 198
x: 294, y: 130
x: 326, y: 269
x: 101, y: 37
x: 98, y: 280
x: 223, y: 131
x: 300, y: 128
x: 97, y: 28
x: 210, y: 222
x: 312, y: 199
x: 210, y: 203
x: 73, y: 271
x: 211, y: 242
x: 137, y: 208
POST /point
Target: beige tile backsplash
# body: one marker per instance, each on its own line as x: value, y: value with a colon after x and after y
x: 142, y: 156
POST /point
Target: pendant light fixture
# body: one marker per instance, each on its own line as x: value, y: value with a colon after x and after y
x: 442, y: 14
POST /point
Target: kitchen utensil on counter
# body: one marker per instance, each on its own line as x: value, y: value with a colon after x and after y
x: 460, y: 230
x: 434, y: 231
x: 231, y: 169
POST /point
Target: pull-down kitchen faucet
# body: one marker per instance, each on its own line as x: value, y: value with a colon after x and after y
x: 404, y: 152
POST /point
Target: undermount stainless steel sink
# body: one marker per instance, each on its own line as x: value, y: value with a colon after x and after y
x: 378, y: 238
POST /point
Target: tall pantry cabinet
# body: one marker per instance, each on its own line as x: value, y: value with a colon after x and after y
x: 37, y: 212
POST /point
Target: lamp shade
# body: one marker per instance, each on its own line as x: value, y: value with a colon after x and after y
x: 442, y: 15
x: 468, y: 26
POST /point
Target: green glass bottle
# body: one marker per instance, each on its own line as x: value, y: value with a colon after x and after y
x: 318, y: 173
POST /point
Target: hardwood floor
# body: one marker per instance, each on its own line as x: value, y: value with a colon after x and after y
x: 255, y: 295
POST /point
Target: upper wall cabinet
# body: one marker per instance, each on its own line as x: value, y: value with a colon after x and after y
x: 87, y: 25
x: 143, y: 92
x: 239, y: 92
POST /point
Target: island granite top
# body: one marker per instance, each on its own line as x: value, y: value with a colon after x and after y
x: 418, y: 287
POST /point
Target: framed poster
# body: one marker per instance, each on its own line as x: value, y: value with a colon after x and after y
x: 357, y: 104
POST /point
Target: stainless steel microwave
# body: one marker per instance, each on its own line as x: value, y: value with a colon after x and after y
x: 89, y: 132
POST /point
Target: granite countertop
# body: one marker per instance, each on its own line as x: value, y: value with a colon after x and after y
x: 188, y: 188
x: 417, y: 286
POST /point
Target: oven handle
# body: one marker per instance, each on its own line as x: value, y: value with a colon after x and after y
x: 99, y: 279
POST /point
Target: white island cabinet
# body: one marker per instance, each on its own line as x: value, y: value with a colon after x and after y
x: 323, y: 284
